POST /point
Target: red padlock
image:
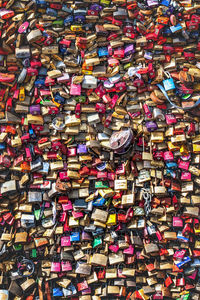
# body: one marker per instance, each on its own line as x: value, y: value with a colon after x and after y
x: 78, y: 110
x: 100, y: 107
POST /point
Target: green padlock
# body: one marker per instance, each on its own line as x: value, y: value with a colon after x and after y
x: 97, y: 241
x: 17, y: 247
x: 101, y: 185
x: 37, y: 214
x: 34, y: 253
x: 80, y: 99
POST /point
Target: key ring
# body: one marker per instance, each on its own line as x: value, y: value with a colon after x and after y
x: 23, y: 265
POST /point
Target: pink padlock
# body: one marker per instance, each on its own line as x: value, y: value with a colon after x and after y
x: 49, y: 81
x: 186, y: 176
x: 129, y: 250
x: 170, y: 119
x: 77, y: 214
x: 114, y: 248
x: 25, y: 138
x: 113, y: 62
x: 63, y: 217
x: 44, y: 93
x: 23, y: 27
x: 55, y: 267
x: 102, y: 175
x: 65, y: 43
x: 111, y: 176
x: 63, y: 176
x: 75, y: 89
x: 67, y: 206
x: 66, y: 266
x: 32, y: 72
x: 177, y: 222
x: 65, y: 241
x: 28, y: 154
x: 159, y: 235
x: 168, y: 156
x: 184, y: 165
x: 36, y: 64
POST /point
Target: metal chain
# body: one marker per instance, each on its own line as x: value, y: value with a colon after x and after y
x: 147, y: 197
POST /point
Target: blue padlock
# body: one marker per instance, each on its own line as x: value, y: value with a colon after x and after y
x: 75, y: 236
x: 165, y: 2
x: 168, y: 83
x: 181, y: 237
x: 67, y: 9
x: 39, y: 83
x: 98, y: 231
x: 99, y: 201
x: 68, y: 20
x: 2, y: 146
x: 72, y: 288
x: 171, y: 165
x: 51, y: 12
x: 167, y: 31
x: 103, y: 51
x: 186, y: 260
x: 194, y: 34
x: 175, y: 28
x: 171, y: 173
x: 41, y: 3
x: 57, y: 292
x: 59, y: 99
x: 42, y: 71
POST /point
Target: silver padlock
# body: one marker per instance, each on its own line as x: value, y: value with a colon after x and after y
x: 89, y: 82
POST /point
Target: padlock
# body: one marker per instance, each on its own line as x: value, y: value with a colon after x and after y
x: 168, y: 83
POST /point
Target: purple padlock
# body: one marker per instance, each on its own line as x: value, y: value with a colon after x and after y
x: 81, y: 149
x: 35, y: 109
x: 151, y: 3
x: 79, y: 19
x: 96, y: 7
x: 129, y: 50
x: 26, y: 62
x: 151, y: 126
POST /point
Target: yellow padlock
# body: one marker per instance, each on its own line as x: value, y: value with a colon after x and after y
x: 172, y: 147
x: 196, y: 148
x: 76, y: 28
x: 112, y: 218
x: 197, y: 230
x: 21, y: 94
